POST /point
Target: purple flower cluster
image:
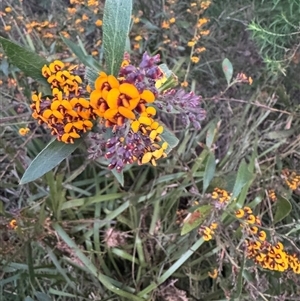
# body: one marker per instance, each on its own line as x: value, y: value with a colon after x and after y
x: 122, y: 151
x: 125, y: 147
x: 187, y: 105
x: 145, y: 75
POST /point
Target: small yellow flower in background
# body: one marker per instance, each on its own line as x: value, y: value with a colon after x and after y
x: 1, y: 82
x: 48, y: 35
x: 98, y: 23
x: 24, y: 131
x: 136, y: 19
x: 77, y: 21
x: 193, y: 4
x: 65, y: 34
x: 200, y: 49
x: 13, y: 224
x: 205, y: 4
x: 191, y: 43
x: 71, y: 11
x: 94, y: 53
x: 204, y: 32
x: 7, y: 28
x: 165, y: 24
x: 8, y: 9
x: 138, y: 38
x: 202, y: 21
x: 84, y: 17
x: 172, y: 20
x: 184, y: 84
x: 213, y: 274
x: 250, y: 80
x: 195, y: 59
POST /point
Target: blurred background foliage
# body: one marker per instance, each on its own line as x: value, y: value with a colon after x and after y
x: 75, y: 233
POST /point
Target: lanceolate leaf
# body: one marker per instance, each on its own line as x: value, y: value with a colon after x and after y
x: 87, y: 60
x: 170, y: 138
x: 227, y: 69
x: 48, y: 158
x: 27, y: 61
x: 116, y: 22
x: 283, y: 209
x: 196, y: 219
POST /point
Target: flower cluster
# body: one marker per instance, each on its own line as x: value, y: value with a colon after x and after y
x: 208, y: 232
x: 267, y: 255
x: 187, y: 105
x: 220, y: 198
x: 272, y: 195
x: 291, y: 178
x: 123, y: 104
x: 67, y: 113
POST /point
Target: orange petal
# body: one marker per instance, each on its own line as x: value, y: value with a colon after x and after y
x: 129, y: 90
x: 145, y: 120
x: 113, y: 82
x: 110, y: 113
x: 135, y: 125
x: 47, y: 114
x: 133, y: 103
x: 94, y: 98
x: 154, y: 125
x: 72, y: 113
x: 160, y: 129
x: 84, y: 102
x: 158, y: 153
x: 55, y: 104
x: 68, y: 127
x: 65, y: 138
x: 100, y: 81
x: 84, y: 114
x: 88, y: 124
x: 78, y: 125
x: 151, y: 111
x: 126, y: 113
x: 66, y: 104
x: 148, y: 96
x: 153, y: 134
x: 146, y: 158
x: 164, y: 146
x: 57, y: 114
x: 113, y: 98
x: 74, y: 135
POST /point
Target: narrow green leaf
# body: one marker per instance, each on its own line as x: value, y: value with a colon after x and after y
x: 87, y: 60
x: 283, y: 208
x: 27, y: 61
x: 196, y: 219
x: 91, y: 76
x: 170, y: 138
x: 42, y: 296
x: 48, y: 158
x: 209, y: 172
x: 242, y: 178
x: 227, y: 69
x: 239, y: 284
x: 119, y: 176
x: 116, y: 22
x: 212, y: 133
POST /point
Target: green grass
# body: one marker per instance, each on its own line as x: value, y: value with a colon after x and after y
x: 82, y: 236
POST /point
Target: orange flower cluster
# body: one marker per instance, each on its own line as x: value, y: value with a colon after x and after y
x: 291, y: 178
x: 208, y: 232
x: 220, y: 198
x: 272, y: 195
x: 265, y: 254
x: 116, y: 101
x: 66, y: 113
